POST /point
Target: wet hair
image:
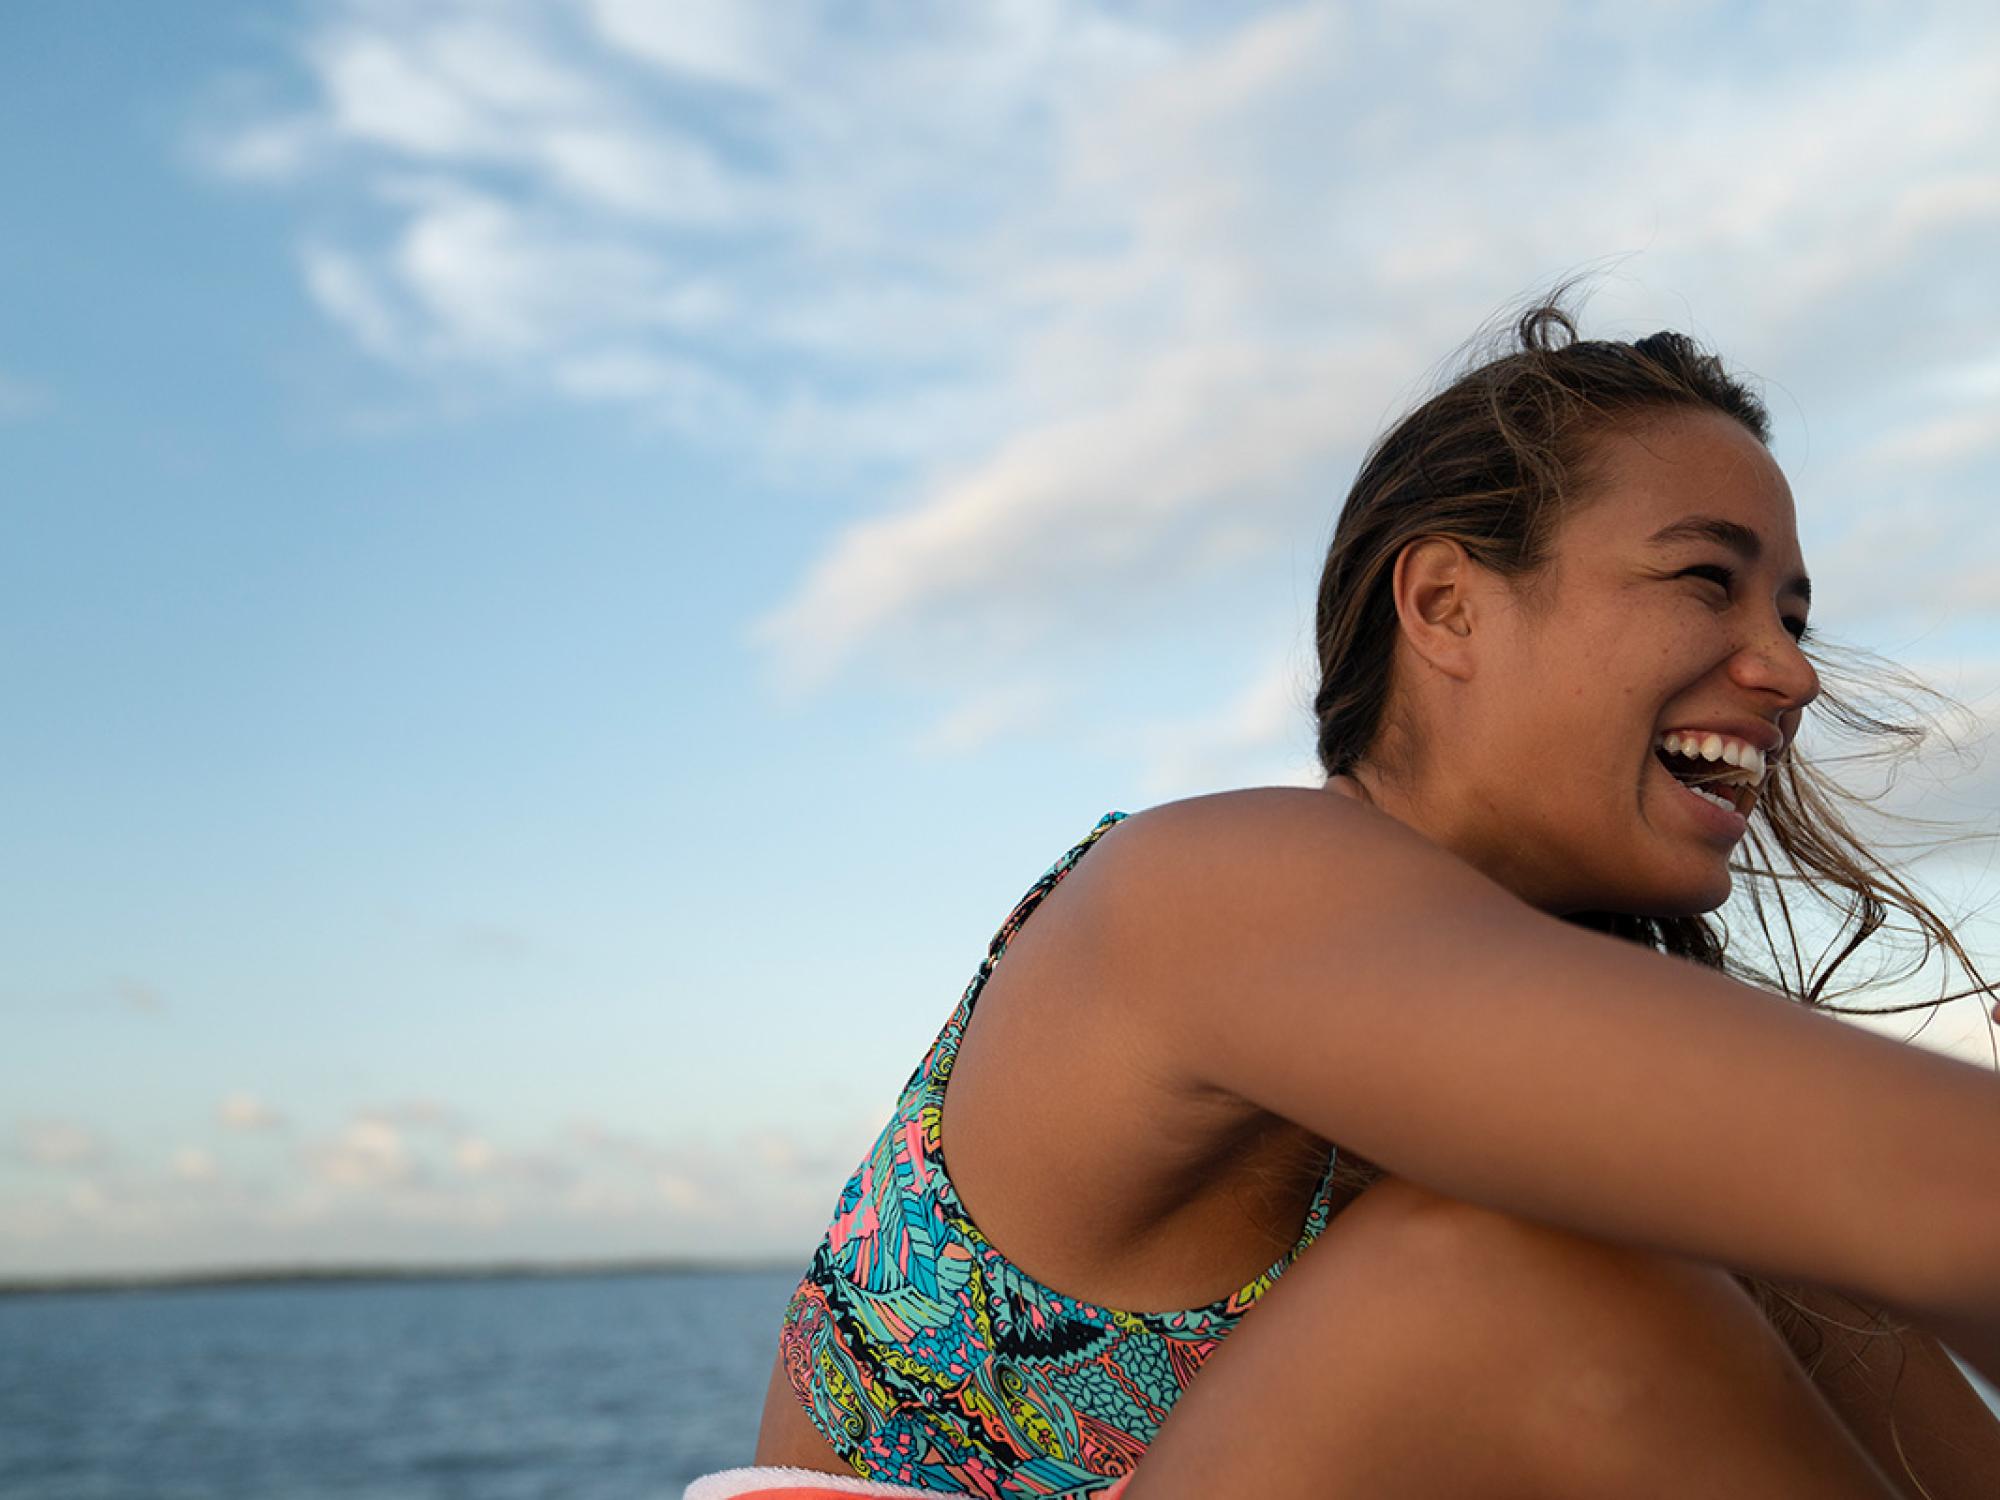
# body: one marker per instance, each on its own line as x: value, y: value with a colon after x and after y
x: 1494, y: 461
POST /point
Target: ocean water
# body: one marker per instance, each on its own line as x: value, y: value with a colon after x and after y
x: 588, y: 1388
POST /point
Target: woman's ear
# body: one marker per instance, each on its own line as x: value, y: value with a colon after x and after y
x: 1433, y: 587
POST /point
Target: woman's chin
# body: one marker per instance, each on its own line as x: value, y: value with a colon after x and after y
x: 1696, y: 908
x: 1695, y: 894
x: 1694, y: 900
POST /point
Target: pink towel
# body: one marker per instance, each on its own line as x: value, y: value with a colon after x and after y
x: 807, y: 1484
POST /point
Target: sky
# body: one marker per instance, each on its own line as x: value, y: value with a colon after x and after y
x: 567, y: 563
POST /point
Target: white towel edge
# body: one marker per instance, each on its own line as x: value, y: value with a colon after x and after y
x: 743, y: 1484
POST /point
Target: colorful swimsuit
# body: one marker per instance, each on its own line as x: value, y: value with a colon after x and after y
x: 927, y: 1358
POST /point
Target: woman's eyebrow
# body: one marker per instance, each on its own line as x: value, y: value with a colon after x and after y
x: 1738, y: 538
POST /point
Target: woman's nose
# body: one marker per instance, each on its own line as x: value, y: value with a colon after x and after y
x: 1775, y: 663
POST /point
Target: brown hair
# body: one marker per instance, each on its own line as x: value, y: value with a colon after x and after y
x: 1494, y: 461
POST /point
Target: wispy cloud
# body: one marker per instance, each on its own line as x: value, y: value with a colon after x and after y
x: 989, y: 714
x: 368, y: 1153
x: 1118, y: 298
x: 246, y: 1112
x: 1949, y: 437
x: 119, y: 992
x: 1229, y: 229
x: 1262, y: 738
x: 413, y: 1114
x: 533, y: 197
x: 193, y: 1164
x: 58, y: 1143
x: 422, y: 1168
x: 1199, y: 463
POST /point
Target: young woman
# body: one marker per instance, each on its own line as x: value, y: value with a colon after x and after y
x: 1462, y: 1153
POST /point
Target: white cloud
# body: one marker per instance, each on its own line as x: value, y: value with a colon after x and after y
x: 985, y: 716
x: 720, y: 40
x: 393, y: 1150
x: 412, y: 1114
x: 1230, y: 228
x: 368, y: 1154
x: 663, y: 178
x: 1211, y: 445
x: 562, y: 171
x: 1949, y: 437
x: 347, y: 292
x: 58, y: 1143
x: 1119, y: 298
x: 682, y: 1193
x: 1976, y: 379
x: 1262, y: 738
x: 455, y: 83
x: 242, y: 1111
x: 491, y: 286
x: 264, y: 151
x: 418, y: 1180
x: 474, y: 1155
x: 193, y: 1164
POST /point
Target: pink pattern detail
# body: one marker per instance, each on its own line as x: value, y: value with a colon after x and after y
x: 913, y: 1141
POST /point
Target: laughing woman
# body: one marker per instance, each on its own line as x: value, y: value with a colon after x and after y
x: 1423, y: 1134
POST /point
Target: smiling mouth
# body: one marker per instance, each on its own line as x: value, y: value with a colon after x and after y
x: 1709, y: 770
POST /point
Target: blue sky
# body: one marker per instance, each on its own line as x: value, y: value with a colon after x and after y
x: 569, y: 561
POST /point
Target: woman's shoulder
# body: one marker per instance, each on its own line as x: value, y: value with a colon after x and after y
x: 1186, y: 905
x: 1248, y: 843
x: 1244, y: 822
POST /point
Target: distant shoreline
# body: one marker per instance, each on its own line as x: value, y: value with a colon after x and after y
x: 180, y: 1281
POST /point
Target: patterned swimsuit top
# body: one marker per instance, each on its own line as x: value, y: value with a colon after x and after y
x: 928, y: 1358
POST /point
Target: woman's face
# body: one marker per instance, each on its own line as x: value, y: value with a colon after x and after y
x: 1672, y: 606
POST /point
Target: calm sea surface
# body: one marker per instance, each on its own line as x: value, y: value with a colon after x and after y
x: 587, y: 1388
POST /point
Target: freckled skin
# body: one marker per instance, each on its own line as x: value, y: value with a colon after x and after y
x: 1534, y: 761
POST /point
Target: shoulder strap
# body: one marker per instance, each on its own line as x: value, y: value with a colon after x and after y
x: 931, y: 1073
x: 1025, y: 907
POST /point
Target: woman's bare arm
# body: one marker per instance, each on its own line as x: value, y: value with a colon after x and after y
x: 1324, y: 962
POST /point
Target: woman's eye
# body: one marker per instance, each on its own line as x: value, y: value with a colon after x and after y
x: 1725, y: 578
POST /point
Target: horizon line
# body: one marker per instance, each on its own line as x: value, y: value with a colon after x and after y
x: 349, y: 1273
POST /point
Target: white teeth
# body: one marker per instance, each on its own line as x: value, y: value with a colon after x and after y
x: 1721, y: 802
x: 1736, y: 753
